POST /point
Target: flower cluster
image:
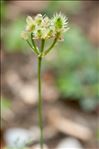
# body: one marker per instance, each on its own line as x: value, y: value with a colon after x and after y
x: 42, y: 27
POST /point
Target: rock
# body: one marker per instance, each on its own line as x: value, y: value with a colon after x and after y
x: 68, y: 126
x: 27, y: 92
x: 69, y: 143
x: 34, y: 133
x: 48, y: 132
x: 16, y: 137
x: 49, y: 92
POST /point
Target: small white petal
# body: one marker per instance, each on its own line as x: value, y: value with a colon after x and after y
x: 29, y: 20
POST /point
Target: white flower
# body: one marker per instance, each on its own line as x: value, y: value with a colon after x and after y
x: 24, y: 35
x: 41, y: 33
x: 60, y: 22
x: 38, y: 19
x: 37, y: 33
x: 46, y: 22
x: 29, y: 20
x: 45, y: 33
x: 30, y: 24
x: 51, y: 32
x: 42, y: 27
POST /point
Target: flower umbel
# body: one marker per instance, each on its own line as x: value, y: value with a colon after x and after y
x: 42, y: 27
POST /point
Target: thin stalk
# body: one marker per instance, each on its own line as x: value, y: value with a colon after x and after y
x: 29, y: 44
x: 31, y: 47
x: 49, y: 49
x: 34, y: 45
x: 40, y: 103
x: 40, y: 116
x: 42, y: 45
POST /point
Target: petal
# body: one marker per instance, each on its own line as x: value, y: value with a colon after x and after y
x: 29, y: 20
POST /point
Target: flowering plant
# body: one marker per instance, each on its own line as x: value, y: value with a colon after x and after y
x: 43, y: 28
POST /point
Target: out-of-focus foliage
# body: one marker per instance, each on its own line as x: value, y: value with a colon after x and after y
x: 10, y: 33
x: 5, y: 105
x: 97, y: 135
x: 2, y: 12
x: 72, y: 7
x: 3, y: 8
x: 77, y: 61
x: 76, y: 69
x: 13, y: 41
x: 14, y: 148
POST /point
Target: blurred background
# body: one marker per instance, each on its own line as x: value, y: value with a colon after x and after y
x: 70, y: 78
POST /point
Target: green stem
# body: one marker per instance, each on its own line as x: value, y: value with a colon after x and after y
x: 29, y: 44
x: 39, y: 95
x: 42, y: 45
x: 34, y: 45
x: 31, y: 47
x: 49, y: 49
x: 40, y: 103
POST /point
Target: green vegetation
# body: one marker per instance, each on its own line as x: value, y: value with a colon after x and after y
x: 77, y: 61
x: 12, y: 40
x: 76, y: 69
